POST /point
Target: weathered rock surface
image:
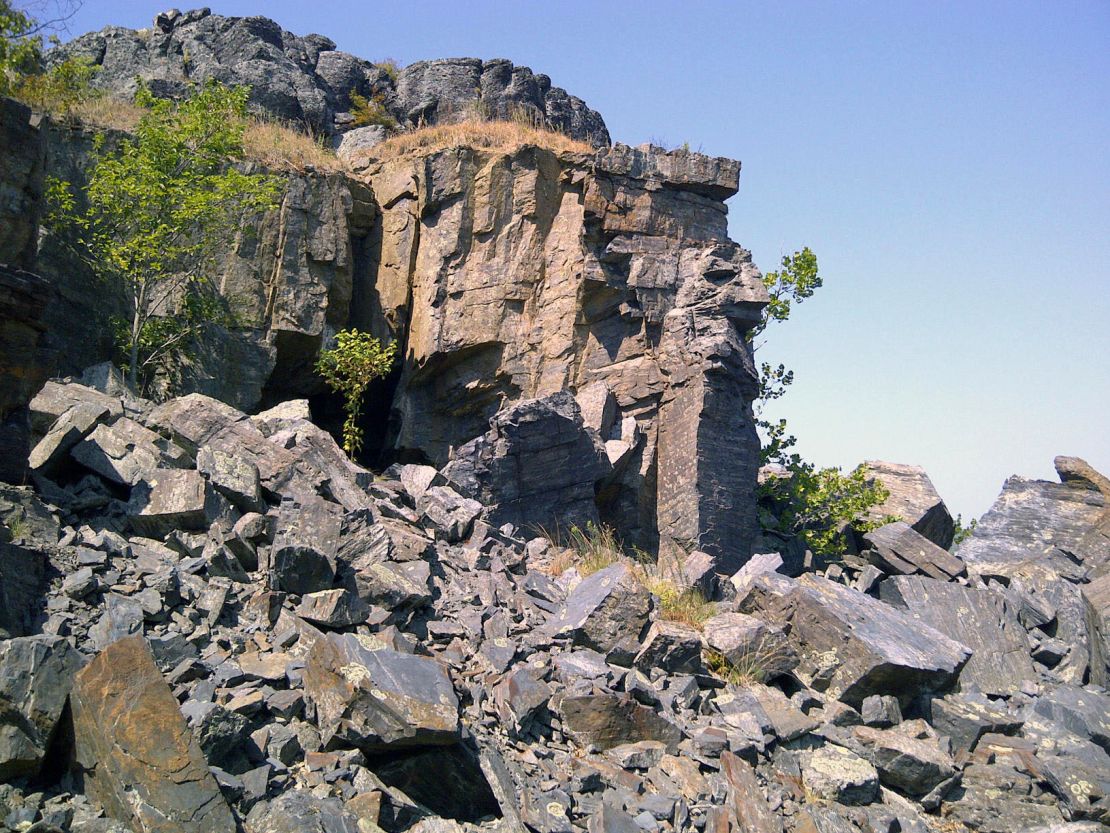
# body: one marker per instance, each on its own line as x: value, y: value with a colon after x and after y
x: 913, y: 499
x: 138, y: 757
x: 376, y: 698
x: 1000, y: 663
x: 852, y: 645
x: 536, y: 467
x: 36, y: 673
x: 897, y: 548
x: 305, y: 80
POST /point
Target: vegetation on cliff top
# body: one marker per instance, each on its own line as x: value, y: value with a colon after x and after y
x: 157, y: 208
x: 476, y: 133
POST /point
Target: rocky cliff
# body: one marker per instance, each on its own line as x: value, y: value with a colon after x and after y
x: 307, y: 82
x: 507, y: 275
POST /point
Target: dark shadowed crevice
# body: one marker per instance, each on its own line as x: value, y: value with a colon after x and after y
x: 447, y: 780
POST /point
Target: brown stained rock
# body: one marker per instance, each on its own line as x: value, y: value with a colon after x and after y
x: 608, y: 720
x: 746, y: 799
x: 913, y: 499
x: 137, y: 754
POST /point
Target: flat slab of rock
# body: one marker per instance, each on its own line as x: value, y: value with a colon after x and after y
x: 913, y: 499
x: 138, y: 755
x: 851, y: 645
x: 375, y: 698
x: 898, y: 548
x: 978, y: 618
x: 837, y: 774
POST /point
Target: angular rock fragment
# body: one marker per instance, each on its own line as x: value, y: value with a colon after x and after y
x: 899, y: 549
x: 448, y: 513
x: 69, y: 429
x: 536, y: 467
x: 751, y: 644
x: 125, y: 452
x: 906, y: 764
x: 608, y: 720
x: 913, y: 499
x: 607, y: 612
x: 374, y: 698
x: 851, y: 645
x: 837, y: 774
x: 36, y: 674
x: 980, y: 619
x: 234, y: 476
x: 673, y: 647
x: 748, y: 804
x: 137, y: 755
x: 23, y: 585
x: 167, y: 500
x: 305, y: 545
x: 336, y: 608
x: 299, y: 811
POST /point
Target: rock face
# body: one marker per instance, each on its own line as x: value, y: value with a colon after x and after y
x: 616, y: 269
x: 26, y: 360
x: 913, y: 499
x: 138, y: 755
x: 535, y: 467
x: 305, y: 80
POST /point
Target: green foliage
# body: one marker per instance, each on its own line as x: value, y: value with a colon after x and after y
x: 678, y: 603
x: 963, y: 532
x: 371, y: 111
x: 60, y: 89
x: 20, y: 47
x: 160, y: 205
x: 816, y: 504
x: 793, y: 283
x: 348, y: 368
x: 390, y: 68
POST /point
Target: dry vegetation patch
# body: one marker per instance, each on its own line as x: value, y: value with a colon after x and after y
x: 477, y: 133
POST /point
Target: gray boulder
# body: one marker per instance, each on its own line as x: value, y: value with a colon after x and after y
x: 376, y: 699
x: 304, y: 553
x: 36, y: 674
x: 897, y: 548
x: 980, y: 619
x: 851, y: 645
x: 607, y: 612
x: 913, y: 499
x: 535, y: 467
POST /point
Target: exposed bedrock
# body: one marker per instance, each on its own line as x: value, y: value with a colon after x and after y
x: 507, y: 276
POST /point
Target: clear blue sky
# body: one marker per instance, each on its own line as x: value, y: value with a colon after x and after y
x: 947, y: 161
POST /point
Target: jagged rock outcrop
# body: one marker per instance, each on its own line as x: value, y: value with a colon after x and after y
x: 912, y: 499
x: 305, y: 80
x: 481, y: 688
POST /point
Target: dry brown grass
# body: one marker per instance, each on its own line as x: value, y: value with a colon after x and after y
x: 477, y: 133
x: 280, y: 147
x: 275, y: 145
x: 106, y: 112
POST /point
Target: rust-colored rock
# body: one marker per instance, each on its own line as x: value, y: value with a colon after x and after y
x: 137, y: 755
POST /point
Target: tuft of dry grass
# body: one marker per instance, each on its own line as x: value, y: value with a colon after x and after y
x: 106, y: 112
x: 476, y: 133
x: 687, y: 605
x: 752, y: 667
x: 588, y: 549
x: 277, y: 146
x: 280, y: 147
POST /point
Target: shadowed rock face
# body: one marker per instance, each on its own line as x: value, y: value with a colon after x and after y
x: 305, y: 80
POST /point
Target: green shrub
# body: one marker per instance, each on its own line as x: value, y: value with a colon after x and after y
x: 348, y: 368
x: 61, y: 89
x: 372, y: 111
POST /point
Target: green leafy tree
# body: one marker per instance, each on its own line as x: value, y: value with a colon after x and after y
x: 160, y: 206
x: 21, y: 37
x: 349, y: 367
x: 814, y: 503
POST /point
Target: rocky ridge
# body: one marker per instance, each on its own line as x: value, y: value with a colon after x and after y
x: 251, y: 630
x: 306, y: 81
